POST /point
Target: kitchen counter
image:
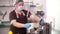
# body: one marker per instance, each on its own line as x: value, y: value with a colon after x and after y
x: 4, y: 27
x: 5, y: 24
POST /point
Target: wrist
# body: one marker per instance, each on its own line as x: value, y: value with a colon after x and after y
x: 26, y: 25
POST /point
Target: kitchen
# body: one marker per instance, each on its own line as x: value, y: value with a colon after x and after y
x: 6, y: 6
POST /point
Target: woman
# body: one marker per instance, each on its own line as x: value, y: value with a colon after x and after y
x: 18, y: 18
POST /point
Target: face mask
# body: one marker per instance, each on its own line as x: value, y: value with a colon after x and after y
x: 20, y: 8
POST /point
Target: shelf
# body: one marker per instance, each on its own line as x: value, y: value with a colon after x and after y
x: 7, y: 6
x: 5, y: 24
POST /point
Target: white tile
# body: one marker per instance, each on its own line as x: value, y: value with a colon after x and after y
x: 55, y: 32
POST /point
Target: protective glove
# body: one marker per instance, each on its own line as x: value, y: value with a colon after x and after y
x: 41, y: 22
x: 27, y: 25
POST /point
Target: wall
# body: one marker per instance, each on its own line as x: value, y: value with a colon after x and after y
x: 9, y: 6
x: 8, y: 9
x: 53, y: 10
x: 6, y: 5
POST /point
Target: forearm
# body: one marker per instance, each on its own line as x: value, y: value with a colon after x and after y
x: 34, y: 18
x: 18, y: 25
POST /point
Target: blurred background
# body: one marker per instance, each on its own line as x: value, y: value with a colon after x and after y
x: 51, y: 9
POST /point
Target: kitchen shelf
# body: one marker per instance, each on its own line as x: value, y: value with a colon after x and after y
x: 7, y: 6
x: 5, y: 24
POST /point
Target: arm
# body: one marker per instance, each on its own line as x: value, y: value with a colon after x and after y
x: 34, y: 18
x: 16, y: 24
x: 20, y: 25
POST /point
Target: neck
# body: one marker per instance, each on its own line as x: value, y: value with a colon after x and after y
x: 18, y: 12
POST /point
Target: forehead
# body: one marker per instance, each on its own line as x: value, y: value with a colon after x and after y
x: 20, y: 3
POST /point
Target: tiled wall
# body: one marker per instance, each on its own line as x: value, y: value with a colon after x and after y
x: 6, y: 2
x: 8, y: 9
x: 9, y: 6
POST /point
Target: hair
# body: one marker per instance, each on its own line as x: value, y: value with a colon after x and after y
x: 17, y: 1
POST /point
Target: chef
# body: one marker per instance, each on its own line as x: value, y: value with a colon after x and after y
x: 18, y: 18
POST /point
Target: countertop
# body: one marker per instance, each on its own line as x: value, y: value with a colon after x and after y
x: 5, y: 24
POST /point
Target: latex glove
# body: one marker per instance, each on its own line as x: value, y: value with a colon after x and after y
x: 27, y: 25
x: 41, y: 22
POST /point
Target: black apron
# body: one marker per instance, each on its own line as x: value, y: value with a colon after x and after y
x: 21, y: 19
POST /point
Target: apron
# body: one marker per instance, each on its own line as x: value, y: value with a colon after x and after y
x: 21, y: 19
